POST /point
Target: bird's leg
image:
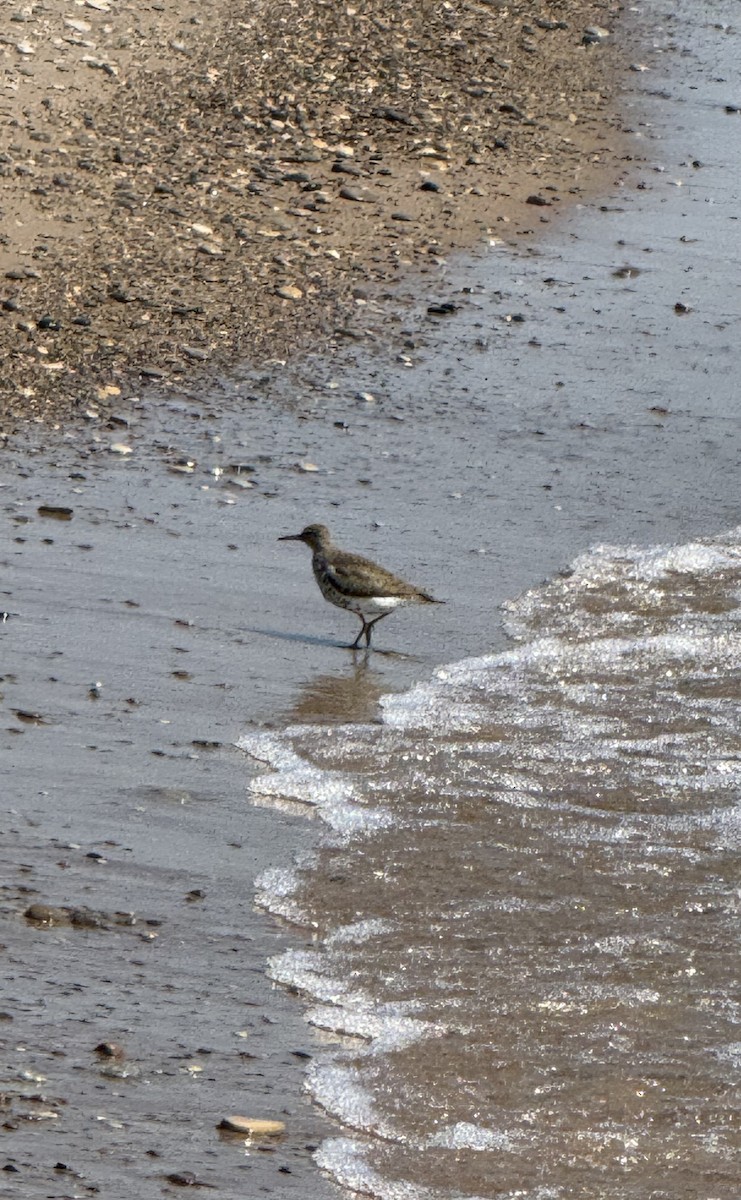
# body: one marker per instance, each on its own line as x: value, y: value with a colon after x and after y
x: 369, y: 627
x: 363, y: 630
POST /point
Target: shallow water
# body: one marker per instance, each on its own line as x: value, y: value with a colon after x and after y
x: 525, y: 913
x: 530, y: 912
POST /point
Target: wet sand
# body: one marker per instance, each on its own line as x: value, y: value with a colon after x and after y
x: 475, y: 453
x: 182, y: 189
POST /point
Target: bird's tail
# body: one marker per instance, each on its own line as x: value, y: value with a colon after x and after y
x: 426, y: 599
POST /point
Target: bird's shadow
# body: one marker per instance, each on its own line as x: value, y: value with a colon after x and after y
x: 310, y: 639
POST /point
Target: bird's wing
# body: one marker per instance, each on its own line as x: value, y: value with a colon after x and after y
x: 360, y: 577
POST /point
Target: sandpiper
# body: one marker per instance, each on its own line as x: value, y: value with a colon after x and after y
x: 355, y: 583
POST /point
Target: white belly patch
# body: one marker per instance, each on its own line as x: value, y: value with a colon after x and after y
x: 374, y: 606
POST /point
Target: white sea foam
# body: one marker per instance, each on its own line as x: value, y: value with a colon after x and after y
x: 347, y: 1010
x: 343, y: 1158
x: 384, y: 1026
x: 466, y: 1136
x: 339, y: 1089
x: 275, y: 891
x: 332, y: 793
x: 428, y: 706
x: 359, y: 931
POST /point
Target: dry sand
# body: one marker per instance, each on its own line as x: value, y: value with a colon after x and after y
x: 184, y: 186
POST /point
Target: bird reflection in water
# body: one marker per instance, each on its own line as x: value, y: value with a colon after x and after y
x: 348, y: 695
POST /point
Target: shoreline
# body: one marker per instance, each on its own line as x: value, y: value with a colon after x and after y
x: 187, y: 193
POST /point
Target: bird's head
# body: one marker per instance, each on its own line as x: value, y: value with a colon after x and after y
x: 315, y: 536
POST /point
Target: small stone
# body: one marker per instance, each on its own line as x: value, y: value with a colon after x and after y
x: 29, y: 717
x: 110, y: 1050
x: 538, y: 200
x: 392, y: 114
x: 402, y: 216
x: 289, y: 292
x: 55, y: 511
x: 46, y: 914
x: 346, y: 168
x: 308, y: 467
x: 120, y: 448
x: 430, y: 185
x: 350, y: 193
x: 100, y: 64
x: 252, y: 1126
x: 594, y: 34
x: 210, y: 249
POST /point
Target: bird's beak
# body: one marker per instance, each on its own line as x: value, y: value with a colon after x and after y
x: 290, y: 537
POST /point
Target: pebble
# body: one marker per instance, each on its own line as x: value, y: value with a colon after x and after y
x: 55, y: 511
x: 350, y: 193
x: 110, y: 1050
x: 120, y: 448
x: 594, y: 34
x: 392, y: 114
x: 253, y: 1126
x: 289, y: 292
x: 346, y: 168
x: 46, y: 914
